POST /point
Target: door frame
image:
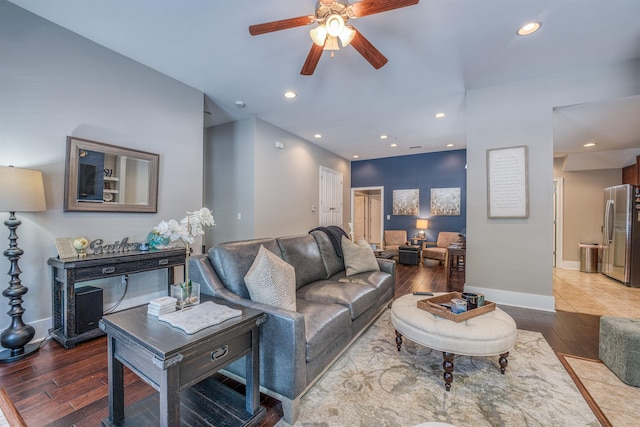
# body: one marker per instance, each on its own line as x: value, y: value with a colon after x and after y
x: 379, y: 188
x: 558, y: 184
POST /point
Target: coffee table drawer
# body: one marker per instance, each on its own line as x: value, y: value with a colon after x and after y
x: 206, y: 360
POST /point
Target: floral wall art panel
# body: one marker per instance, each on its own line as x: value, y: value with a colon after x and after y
x: 406, y: 202
x: 445, y: 201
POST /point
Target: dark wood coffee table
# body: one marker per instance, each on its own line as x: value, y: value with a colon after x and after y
x: 178, y: 366
x: 384, y: 254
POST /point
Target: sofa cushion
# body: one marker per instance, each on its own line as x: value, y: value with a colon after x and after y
x: 356, y: 297
x: 323, y: 324
x: 303, y: 253
x: 358, y: 259
x: 332, y: 262
x: 272, y: 281
x: 232, y: 261
x: 379, y: 280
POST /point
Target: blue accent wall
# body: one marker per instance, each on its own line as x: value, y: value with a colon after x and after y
x: 445, y: 169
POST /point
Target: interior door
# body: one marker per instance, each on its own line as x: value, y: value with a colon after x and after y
x: 359, y: 216
x: 375, y: 220
x: 330, y: 197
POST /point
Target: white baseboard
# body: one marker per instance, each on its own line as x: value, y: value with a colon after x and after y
x: 516, y: 299
x: 569, y: 265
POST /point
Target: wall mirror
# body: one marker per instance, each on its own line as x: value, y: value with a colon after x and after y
x: 105, y: 178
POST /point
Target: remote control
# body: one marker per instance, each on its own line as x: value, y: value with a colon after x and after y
x: 423, y: 293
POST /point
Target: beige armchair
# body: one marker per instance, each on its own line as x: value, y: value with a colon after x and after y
x: 393, y: 239
x: 438, y: 250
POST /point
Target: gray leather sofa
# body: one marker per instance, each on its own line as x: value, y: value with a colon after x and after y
x: 332, y: 309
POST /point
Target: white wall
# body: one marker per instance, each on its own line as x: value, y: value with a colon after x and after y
x: 273, y: 189
x: 53, y: 84
x: 287, y: 182
x: 518, y: 267
x: 229, y: 176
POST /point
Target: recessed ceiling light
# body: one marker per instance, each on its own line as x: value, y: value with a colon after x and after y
x: 240, y: 104
x: 529, y: 28
x: 356, y: 156
x: 439, y: 115
x: 393, y: 145
x: 384, y: 136
x: 290, y: 94
x: 450, y: 145
x: 317, y: 135
x: 590, y: 144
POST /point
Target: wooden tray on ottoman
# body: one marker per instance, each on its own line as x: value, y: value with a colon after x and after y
x: 432, y: 305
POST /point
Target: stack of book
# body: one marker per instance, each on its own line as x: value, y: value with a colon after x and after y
x: 162, y: 305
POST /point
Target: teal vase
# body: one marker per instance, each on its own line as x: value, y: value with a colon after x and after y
x: 157, y: 241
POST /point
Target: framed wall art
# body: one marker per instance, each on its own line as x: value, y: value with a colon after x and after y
x: 445, y: 201
x: 406, y: 202
x: 507, y: 182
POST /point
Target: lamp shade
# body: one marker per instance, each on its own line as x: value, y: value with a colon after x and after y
x: 422, y: 224
x: 21, y: 190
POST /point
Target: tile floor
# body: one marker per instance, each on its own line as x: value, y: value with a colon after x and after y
x: 594, y: 293
x: 608, y: 391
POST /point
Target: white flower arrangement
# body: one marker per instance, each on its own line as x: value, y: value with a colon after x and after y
x: 189, y: 227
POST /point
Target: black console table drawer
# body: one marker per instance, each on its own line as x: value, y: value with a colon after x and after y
x: 164, y: 262
x: 102, y: 271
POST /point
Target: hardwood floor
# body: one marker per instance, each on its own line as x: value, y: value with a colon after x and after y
x: 59, y: 387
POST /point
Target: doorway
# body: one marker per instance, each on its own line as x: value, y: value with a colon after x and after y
x: 367, y: 213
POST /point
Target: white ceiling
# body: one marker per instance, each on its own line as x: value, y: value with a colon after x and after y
x: 437, y: 50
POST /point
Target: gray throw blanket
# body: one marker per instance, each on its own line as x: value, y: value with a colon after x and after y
x: 335, y: 234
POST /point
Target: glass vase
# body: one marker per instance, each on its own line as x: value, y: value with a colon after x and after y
x: 186, y: 295
x: 157, y: 241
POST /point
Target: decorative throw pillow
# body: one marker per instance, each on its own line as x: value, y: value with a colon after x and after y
x: 364, y: 244
x: 358, y: 259
x: 271, y: 280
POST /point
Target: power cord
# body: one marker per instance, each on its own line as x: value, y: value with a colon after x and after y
x: 125, y: 280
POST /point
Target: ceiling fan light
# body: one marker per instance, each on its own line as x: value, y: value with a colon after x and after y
x: 331, y: 44
x: 318, y: 35
x: 347, y: 34
x: 335, y: 25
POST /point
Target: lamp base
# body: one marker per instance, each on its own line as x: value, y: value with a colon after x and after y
x: 29, y: 349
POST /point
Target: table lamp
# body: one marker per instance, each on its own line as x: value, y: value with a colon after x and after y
x: 422, y: 225
x: 21, y: 190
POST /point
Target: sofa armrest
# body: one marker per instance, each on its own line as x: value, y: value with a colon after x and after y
x: 388, y: 266
x: 282, y: 336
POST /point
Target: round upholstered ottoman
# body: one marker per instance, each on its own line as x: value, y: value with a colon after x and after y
x: 489, y: 334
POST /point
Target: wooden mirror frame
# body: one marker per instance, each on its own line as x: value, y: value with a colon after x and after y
x: 72, y: 202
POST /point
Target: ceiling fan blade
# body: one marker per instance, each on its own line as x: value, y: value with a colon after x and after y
x: 283, y: 24
x: 312, y: 60
x: 369, y: 7
x: 368, y: 51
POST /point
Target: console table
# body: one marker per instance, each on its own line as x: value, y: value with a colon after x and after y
x: 66, y: 272
x: 179, y: 366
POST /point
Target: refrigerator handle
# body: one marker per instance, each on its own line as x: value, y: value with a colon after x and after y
x: 608, y: 219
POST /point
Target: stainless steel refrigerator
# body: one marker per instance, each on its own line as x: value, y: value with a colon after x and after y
x: 621, y: 234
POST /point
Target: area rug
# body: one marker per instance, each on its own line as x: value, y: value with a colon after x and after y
x: 373, y: 384
x: 615, y: 403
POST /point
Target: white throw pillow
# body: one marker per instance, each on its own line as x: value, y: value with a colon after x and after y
x: 358, y: 259
x: 271, y: 280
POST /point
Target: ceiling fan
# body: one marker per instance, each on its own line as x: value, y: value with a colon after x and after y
x: 332, y: 17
